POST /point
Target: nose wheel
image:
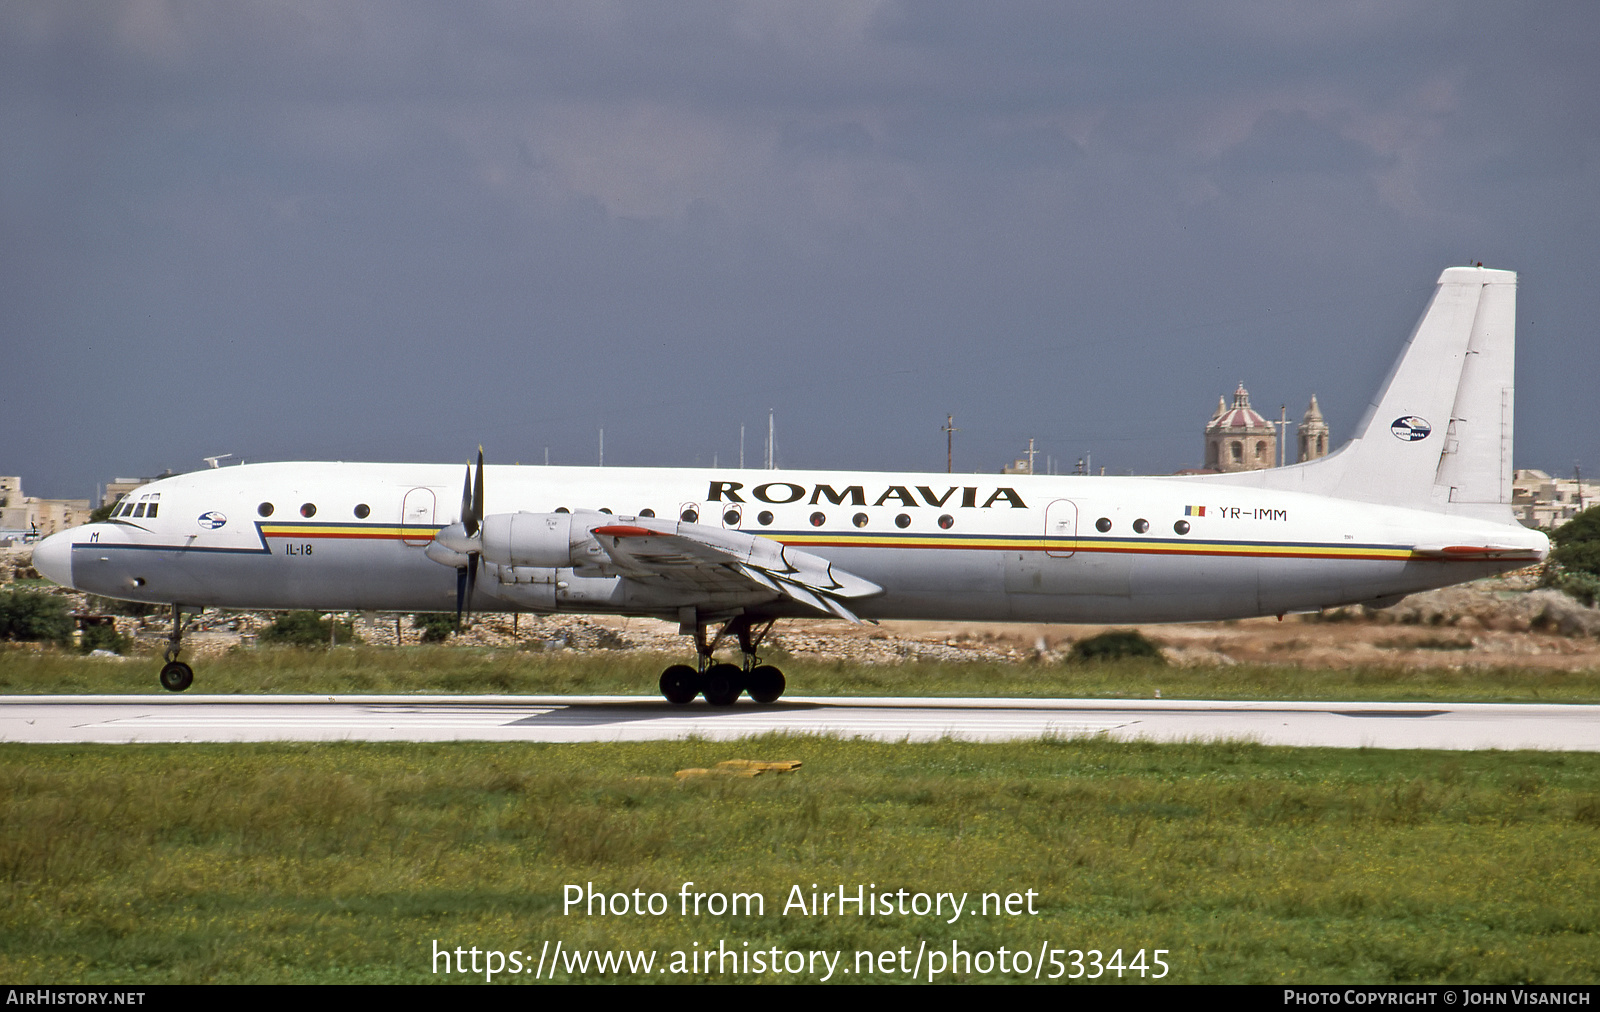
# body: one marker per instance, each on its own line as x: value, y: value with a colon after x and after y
x: 176, y: 675
x: 722, y: 684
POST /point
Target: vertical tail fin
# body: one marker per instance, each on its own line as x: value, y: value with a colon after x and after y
x: 1438, y: 434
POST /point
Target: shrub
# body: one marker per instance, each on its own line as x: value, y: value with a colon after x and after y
x: 305, y: 629
x: 1577, y: 544
x: 1582, y: 587
x: 436, y: 626
x: 1574, y: 564
x: 1115, y: 646
x: 128, y: 609
x: 102, y: 637
x: 32, y: 616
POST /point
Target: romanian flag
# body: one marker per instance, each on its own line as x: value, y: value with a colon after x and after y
x: 1194, y: 511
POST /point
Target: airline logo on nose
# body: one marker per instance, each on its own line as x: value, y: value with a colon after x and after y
x: 1410, y: 428
x: 211, y: 521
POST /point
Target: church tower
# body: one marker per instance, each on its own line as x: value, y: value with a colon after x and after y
x: 1238, y: 438
x: 1313, y: 434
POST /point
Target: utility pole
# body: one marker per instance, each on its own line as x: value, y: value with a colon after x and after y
x: 1031, y: 452
x: 741, y: 446
x: 602, y: 446
x: 1283, y: 430
x: 950, y: 431
x: 771, y: 455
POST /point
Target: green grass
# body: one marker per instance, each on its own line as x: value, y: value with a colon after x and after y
x: 344, y: 862
x: 453, y: 669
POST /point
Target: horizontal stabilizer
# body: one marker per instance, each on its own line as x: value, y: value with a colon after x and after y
x: 1472, y: 552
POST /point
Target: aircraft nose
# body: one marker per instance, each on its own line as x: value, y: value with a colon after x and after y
x: 52, y: 557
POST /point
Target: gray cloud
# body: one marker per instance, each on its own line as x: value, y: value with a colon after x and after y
x: 392, y: 231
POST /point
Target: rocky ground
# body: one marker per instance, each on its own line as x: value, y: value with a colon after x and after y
x: 1506, y: 621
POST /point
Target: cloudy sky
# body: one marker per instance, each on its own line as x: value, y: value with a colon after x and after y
x: 395, y: 231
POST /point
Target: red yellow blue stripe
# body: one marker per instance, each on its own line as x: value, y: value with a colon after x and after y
x: 940, y: 541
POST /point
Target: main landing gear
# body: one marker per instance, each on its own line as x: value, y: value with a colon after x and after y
x: 176, y: 675
x: 722, y: 684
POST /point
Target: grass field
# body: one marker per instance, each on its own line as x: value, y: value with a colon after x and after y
x: 347, y: 862
x: 448, y: 669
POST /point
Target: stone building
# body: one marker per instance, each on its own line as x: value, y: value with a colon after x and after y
x: 24, y: 516
x: 1313, y: 434
x: 1238, y: 438
x: 116, y: 488
x: 1538, y: 500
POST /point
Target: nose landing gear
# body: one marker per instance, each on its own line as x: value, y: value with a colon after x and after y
x: 176, y: 675
x: 723, y: 684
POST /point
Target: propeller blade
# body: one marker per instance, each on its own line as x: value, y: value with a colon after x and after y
x: 477, y: 496
x: 471, y: 521
x: 467, y: 521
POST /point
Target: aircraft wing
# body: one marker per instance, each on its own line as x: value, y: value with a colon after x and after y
x: 704, y: 556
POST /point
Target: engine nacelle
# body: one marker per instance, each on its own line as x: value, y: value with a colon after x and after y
x: 544, y: 540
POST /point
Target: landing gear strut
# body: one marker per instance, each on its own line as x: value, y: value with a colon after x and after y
x: 176, y: 675
x: 722, y: 684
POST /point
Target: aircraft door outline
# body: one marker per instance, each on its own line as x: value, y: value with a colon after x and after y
x: 1061, y: 528
x: 418, y: 508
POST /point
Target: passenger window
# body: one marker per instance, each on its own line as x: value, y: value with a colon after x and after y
x: 764, y: 518
x: 731, y: 517
x: 363, y: 511
x: 1182, y: 527
x: 1103, y: 524
x: 860, y: 520
x: 902, y: 521
x: 947, y: 521
x: 817, y: 519
x: 648, y: 514
x: 308, y: 510
x: 1141, y: 525
x: 265, y: 509
x: 690, y: 516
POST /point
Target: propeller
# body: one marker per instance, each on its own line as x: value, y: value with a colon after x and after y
x: 471, y: 521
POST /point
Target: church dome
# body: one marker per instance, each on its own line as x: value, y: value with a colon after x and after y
x: 1238, y: 416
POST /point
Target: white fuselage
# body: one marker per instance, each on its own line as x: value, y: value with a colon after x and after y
x: 352, y: 536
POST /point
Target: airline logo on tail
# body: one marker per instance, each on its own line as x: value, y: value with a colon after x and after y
x: 1410, y: 428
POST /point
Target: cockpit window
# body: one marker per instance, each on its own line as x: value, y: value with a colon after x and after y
x: 153, y: 507
x: 138, y: 511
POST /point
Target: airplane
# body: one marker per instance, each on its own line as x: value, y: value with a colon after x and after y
x: 1419, y: 498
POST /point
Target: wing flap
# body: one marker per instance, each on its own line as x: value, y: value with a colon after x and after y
x: 696, y: 555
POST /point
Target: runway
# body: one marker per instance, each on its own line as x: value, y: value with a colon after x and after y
x: 129, y: 719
